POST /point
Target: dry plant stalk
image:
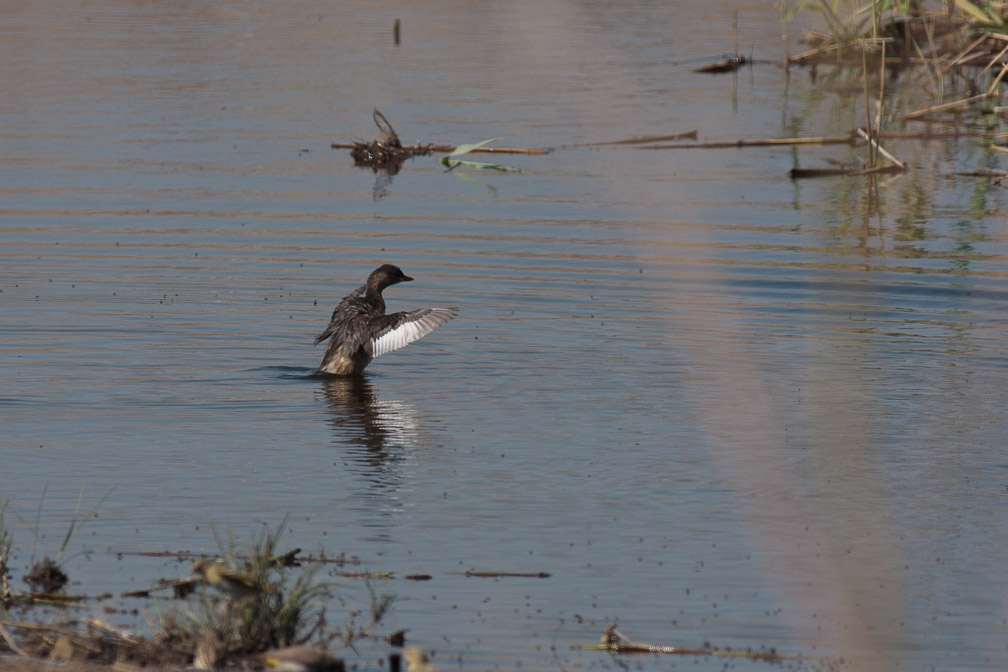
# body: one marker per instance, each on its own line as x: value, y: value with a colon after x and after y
x: 878, y: 148
x: 943, y: 107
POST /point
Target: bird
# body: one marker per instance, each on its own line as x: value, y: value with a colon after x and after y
x: 300, y: 658
x: 416, y: 660
x: 235, y: 584
x: 359, y: 329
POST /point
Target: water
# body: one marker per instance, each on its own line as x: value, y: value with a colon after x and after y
x: 713, y: 404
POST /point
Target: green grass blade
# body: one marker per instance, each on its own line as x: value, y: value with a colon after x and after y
x: 984, y: 16
x: 452, y: 164
x: 77, y: 523
x: 465, y: 149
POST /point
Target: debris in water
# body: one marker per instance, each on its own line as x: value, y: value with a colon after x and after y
x: 46, y: 577
x: 615, y: 642
x: 728, y: 65
x: 386, y: 154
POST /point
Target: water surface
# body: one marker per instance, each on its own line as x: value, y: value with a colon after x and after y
x: 715, y: 405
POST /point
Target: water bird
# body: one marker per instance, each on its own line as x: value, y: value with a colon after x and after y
x: 300, y: 658
x: 416, y: 660
x: 232, y: 582
x: 359, y: 329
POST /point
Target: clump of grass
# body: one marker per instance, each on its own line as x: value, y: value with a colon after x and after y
x: 207, y: 626
x: 46, y: 580
x: 378, y: 606
x: 287, y: 610
x: 46, y: 577
x: 937, y: 48
x: 856, y: 29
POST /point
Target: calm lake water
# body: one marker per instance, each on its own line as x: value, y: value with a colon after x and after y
x: 713, y: 404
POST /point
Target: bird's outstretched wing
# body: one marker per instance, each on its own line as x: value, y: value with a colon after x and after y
x: 399, y: 329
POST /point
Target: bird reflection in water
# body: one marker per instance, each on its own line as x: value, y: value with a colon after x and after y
x: 371, y: 428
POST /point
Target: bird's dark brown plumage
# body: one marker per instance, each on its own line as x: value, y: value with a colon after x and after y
x: 359, y: 329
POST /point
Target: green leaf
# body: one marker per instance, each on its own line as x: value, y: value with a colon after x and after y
x: 452, y: 164
x: 465, y: 149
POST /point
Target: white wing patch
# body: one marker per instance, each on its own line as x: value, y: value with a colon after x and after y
x: 418, y: 324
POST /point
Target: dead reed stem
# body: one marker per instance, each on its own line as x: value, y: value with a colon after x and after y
x: 943, y: 107
x: 763, y: 142
x: 451, y: 148
x: 994, y: 60
x: 997, y: 80
x: 10, y: 642
x: 958, y: 58
x: 878, y: 148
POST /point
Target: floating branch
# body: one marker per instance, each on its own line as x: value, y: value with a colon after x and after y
x: 183, y: 555
x: 944, y: 107
x: 489, y: 150
x: 728, y: 65
x: 366, y: 575
x: 761, y: 142
x: 995, y: 175
x: 54, y: 598
x: 804, y: 173
x: 991, y: 172
x: 387, y: 154
x: 641, y: 140
x: 851, y: 139
x: 801, y: 173
x: 289, y: 559
x: 495, y: 575
x: 181, y: 588
x: 615, y: 642
x: 429, y: 149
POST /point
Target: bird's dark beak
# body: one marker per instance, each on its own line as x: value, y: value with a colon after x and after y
x: 406, y: 278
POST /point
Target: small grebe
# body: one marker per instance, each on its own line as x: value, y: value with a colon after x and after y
x: 360, y: 330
